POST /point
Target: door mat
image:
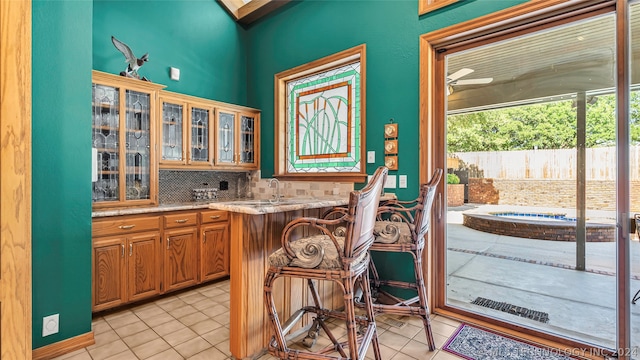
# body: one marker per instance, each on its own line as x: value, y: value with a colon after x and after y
x: 473, y: 343
x: 543, y: 317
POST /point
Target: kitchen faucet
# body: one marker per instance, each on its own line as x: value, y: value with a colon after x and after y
x: 277, y: 195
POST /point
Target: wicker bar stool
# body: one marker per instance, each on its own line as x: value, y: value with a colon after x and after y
x: 326, y: 256
x: 404, y: 231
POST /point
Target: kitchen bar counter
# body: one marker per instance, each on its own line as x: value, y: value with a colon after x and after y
x: 243, y: 205
x: 255, y: 232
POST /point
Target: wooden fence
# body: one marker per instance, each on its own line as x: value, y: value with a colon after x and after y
x: 557, y: 164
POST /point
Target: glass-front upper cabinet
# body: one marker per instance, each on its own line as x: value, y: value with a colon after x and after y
x: 185, y: 132
x: 237, y: 138
x: 123, y: 137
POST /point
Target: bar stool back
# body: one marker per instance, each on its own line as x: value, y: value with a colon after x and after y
x: 326, y: 256
x: 404, y: 230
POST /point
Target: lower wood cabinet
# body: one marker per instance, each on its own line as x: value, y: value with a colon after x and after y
x: 143, y: 266
x: 137, y: 257
x: 214, y: 254
x: 126, y: 266
x: 181, y: 258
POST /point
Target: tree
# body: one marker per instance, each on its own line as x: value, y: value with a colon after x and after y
x: 550, y: 125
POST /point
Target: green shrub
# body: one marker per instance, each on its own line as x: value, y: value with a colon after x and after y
x: 453, y: 179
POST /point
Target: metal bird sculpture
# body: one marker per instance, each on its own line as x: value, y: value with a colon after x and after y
x: 134, y: 62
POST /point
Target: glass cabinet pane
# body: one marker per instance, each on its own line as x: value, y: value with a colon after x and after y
x: 226, y: 138
x: 106, y: 120
x: 138, y: 145
x: 199, y: 134
x: 172, y: 124
x: 247, y: 139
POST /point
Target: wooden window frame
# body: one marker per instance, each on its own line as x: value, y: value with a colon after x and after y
x: 424, y: 6
x: 357, y: 53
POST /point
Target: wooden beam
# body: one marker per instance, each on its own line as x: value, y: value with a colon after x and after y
x: 251, y: 11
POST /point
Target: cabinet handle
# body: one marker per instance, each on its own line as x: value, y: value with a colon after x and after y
x: 182, y: 221
x: 130, y: 249
x: 214, y: 217
x: 168, y: 242
x: 126, y: 227
x: 122, y: 250
x: 204, y: 238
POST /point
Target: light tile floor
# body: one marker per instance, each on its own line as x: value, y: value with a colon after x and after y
x: 194, y: 325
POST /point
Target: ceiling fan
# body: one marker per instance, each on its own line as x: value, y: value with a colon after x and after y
x: 454, y: 79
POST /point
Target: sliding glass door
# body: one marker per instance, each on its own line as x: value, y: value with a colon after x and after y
x: 530, y: 126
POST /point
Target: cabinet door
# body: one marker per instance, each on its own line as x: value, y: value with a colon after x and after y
x: 143, y: 265
x: 106, y: 142
x: 247, y: 141
x: 108, y: 273
x: 225, y: 137
x: 137, y: 145
x: 214, y: 258
x: 181, y: 258
x: 201, y: 142
x: 172, y: 131
x: 124, y: 141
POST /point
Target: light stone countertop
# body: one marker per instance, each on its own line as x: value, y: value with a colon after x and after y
x: 258, y: 207
x: 246, y: 206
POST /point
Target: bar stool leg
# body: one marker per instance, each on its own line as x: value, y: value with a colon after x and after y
x: 366, y: 288
x: 422, y: 295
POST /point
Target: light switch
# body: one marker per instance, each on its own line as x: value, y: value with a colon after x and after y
x: 371, y: 157
x: 402, y: 179
x: 94, y: 164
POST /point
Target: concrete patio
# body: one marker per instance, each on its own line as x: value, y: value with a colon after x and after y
x: 539, y: 275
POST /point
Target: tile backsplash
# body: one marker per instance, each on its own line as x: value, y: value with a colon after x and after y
x: 260, y: 188
x: 177, y: 186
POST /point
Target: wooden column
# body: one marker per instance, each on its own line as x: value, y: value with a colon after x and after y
x: 15, y: 179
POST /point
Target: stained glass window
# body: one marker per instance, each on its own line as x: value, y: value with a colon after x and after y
x: 323, y: 124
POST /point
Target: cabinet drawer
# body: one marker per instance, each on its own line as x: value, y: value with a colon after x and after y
x: 213, y: 216
x: 180, y: 220
x: 124, y: 225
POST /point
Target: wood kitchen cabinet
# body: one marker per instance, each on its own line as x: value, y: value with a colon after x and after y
x: 135, y: 257
x: 237, y: 139
x: 185, y: 132
x: 126, y: 261
x: 181, y: 250
x: 214, y: 255
x: 123, y: 139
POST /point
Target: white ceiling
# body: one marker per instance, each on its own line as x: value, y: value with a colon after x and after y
x: 564, y: 60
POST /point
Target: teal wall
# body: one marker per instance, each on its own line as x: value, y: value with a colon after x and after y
x: 198, y: 37
x: 305, y: 31
x: 308, y: 30
x: 61, y: 240
x: 219, y: 60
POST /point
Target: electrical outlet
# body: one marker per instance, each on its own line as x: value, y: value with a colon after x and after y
x: 50, y: 324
